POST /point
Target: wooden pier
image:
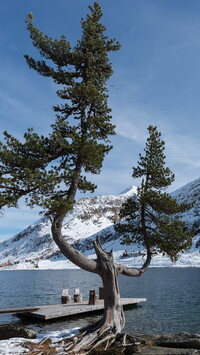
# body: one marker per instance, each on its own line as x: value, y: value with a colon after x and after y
x: 65, y: 310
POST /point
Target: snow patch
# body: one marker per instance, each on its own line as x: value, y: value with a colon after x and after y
x: 34, y: 247
x: 14, y: 346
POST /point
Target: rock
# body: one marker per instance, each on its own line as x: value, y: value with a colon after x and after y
x: 158, y: 350
x: 148, y: 338
x: 170, y: 344
x: 182, y: 341
x: 151, y: 344
x: 8, y: 331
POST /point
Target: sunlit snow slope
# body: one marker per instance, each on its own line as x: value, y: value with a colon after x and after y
x: 35, y: 248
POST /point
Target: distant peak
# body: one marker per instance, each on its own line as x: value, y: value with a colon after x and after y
x: 130, y: 190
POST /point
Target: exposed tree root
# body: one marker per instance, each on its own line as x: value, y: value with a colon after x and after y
x: 90, y: 339
x: 121, y: 344
x: 98, y: 342
x: 101, y: 341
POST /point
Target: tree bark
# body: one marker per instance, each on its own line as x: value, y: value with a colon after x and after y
x: 104, y: 266
x: 113, y: 309
x: 113, y: 321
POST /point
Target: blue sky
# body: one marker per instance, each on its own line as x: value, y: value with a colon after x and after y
x: 156, y: 81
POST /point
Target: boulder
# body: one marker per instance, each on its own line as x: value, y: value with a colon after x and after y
x: 8, y: 331
x: 152, y: 344
x: 158, y: 350
x: 182, y: 341
x: 170, y: 344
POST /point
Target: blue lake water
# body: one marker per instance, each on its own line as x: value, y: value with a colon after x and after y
x: 173, y: 297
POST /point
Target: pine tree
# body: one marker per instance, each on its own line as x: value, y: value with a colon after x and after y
x: 78, y: 142
x: 151, y: 219
x: 50, y: 170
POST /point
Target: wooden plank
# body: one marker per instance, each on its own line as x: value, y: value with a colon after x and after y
x: 17, y: 310
x: 65, y: 310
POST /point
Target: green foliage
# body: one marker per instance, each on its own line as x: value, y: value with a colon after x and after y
x: 151, y: 219
x: 49, y: 170
x: 152, y: 165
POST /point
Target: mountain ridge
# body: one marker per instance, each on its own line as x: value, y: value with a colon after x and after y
x: 34, y: 247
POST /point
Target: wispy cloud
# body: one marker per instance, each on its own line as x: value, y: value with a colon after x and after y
x: 156, y: 81
x: 182, y: 149
x: 24, y: 102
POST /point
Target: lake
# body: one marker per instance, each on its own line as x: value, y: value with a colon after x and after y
x: 173, y: 297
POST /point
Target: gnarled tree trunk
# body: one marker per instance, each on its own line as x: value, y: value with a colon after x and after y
x: 113, y: 309
x: 113, y: 321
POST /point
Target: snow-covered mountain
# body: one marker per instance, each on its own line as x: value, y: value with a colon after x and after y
x: 35, y: 248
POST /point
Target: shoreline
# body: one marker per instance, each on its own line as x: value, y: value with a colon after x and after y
x: 148, y: 344
x: 77, y: 268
